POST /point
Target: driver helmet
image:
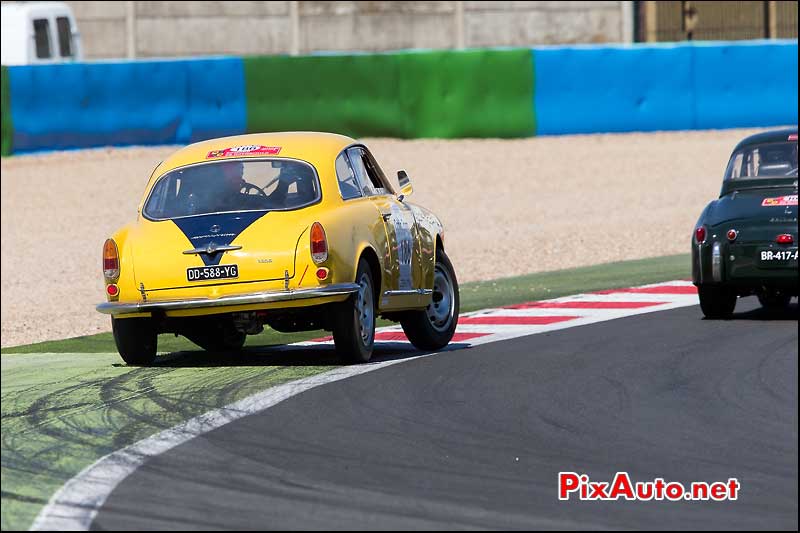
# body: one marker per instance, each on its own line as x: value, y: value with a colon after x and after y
x: 230, y: 175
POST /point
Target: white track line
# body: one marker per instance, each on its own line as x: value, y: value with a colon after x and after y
x: 77, y: 502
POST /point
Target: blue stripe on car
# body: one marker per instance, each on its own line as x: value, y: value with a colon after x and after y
x: 219, y: 229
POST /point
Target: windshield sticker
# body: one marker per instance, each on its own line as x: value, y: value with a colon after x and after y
x: 250, y: 149
x: 780, y: 201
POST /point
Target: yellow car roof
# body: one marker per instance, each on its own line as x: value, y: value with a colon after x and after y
x: 315, y: 147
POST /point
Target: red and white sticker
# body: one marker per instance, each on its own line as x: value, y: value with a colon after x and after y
x: 780, y: 201
x: 793, y: 137
x: 248, y: 149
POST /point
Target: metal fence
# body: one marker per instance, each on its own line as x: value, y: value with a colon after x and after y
x: 715, y: 20
x: 786, y: 14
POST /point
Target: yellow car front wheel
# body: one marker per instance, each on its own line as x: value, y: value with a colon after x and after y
x: 434, y: 327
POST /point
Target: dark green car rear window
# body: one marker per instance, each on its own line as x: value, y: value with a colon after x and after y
x: 769, y: 160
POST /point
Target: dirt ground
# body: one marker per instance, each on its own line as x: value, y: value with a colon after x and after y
x: 509, y: 207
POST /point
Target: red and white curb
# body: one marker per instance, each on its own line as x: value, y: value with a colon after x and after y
x: 502, y: 323
x: 77, y: 502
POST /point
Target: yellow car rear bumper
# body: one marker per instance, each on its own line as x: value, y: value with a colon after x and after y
x: 334, y: 292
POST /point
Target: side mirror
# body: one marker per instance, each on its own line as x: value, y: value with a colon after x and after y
x: 405, y: 185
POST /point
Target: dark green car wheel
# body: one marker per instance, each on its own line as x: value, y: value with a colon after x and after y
x: 774, y: 300
x: 716, y: 302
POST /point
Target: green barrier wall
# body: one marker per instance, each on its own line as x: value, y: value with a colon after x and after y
x: 448, y: 94
x: 7, y: 132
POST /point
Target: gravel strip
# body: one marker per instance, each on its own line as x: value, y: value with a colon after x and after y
x: 509, y: 207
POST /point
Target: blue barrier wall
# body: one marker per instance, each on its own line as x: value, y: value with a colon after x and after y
x: 746, y: 85
x: 576, y: 89
x: 216, y: 96
x: 589, y: 89
x: 140, y: 102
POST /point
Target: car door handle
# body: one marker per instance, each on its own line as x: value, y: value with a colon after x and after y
x: 386, y: 216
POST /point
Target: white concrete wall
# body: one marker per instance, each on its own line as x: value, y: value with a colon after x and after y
x: 528, y: 23
x: 102, y: 28
x: 376, y: 25
x: 185, y: 28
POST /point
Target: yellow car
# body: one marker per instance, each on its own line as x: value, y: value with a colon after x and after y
x: 298, y: 231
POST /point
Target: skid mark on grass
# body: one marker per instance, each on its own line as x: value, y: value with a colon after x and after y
x: 95, y: 406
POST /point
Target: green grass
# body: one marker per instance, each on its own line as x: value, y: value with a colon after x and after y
x: 67, y: 403
x: 545, y: 285
x: 104, y: 343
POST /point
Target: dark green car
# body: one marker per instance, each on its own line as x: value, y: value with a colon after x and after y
x: 746, y: 240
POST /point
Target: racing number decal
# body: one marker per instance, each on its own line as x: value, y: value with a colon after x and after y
x: 405, y: 246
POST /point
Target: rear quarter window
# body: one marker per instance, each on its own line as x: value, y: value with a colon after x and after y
x: 348, y: 186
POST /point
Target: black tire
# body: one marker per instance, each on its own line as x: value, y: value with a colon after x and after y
x: 215, y: 335
x: 774, y: 301
x: 136, y: 340
x: 716, y: 302
x: 433, y: 328
x: 354, y: 320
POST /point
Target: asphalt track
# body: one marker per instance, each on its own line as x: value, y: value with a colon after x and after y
x: 475, y: 438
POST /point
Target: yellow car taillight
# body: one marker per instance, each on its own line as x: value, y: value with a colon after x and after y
x: 319, y: 244
x: 110, y: 260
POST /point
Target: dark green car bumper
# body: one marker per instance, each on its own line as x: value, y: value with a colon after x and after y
x: 739, y: 265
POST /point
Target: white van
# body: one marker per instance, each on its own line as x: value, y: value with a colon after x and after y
x: 38, y: 33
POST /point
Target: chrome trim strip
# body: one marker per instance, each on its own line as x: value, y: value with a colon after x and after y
x: 212, y: 249
x: 700, y: 261
x: 409, y: 292
x: 716, y: 262
x: 119, y: 308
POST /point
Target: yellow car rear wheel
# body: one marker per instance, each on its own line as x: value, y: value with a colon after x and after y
x: 354, y: 320
x: 136, y: 340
